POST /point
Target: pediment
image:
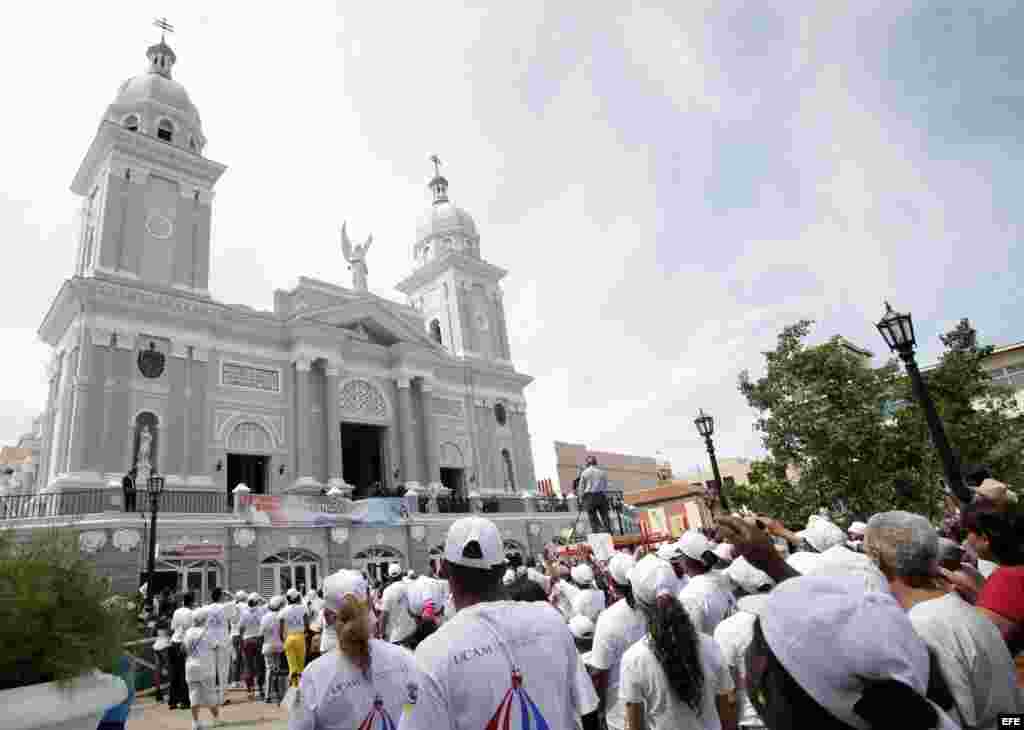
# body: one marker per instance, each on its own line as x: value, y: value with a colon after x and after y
x: 370, y: 321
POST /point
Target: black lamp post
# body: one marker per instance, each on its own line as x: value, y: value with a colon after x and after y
x: 706, y: 428
x: 898, y: 332
x: 154, y: 488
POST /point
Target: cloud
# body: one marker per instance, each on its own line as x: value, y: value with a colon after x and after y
x: 667, y: 187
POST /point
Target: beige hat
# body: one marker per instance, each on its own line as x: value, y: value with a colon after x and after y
x: 994, y: 490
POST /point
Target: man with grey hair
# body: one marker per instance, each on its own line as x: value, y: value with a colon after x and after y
x: 971, y: 654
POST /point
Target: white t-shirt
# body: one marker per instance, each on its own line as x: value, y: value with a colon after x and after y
x: 644, y: 681
x: 236, y: 627
x: 467, y: 679
x: 395, y: 605
x: 181, y: 622
x: 199, y: 659
x: 617, y: 629
x: 972, y: 657
x: 217, y: 624
x: 294, y: 617
x: 270, y: 628
x: 249, y: 624
x: 235, y: 618
x: 986, y: 567
x: 564, y: 594
x: 733, y: 637
x: 589, y: 602
x: 328, y: 635
x: 336, y: 695
x: 707, y: 600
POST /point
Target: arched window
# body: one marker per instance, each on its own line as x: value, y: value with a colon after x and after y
x: 435, y: 331
x: 293, y: 568
x: 165, y: 130
x: 500, y: 414
x: 131, y: 123
x: 376, y: 561
x: 192, y: 144
x: 510, y: 476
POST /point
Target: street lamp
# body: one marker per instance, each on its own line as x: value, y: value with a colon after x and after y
x: 706, y: 428
x: 154, y: 487
x: 898, y: 332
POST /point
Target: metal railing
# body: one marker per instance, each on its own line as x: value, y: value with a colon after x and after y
x: 453, y: 504
x: 552, y: 504
x: 71, y: 503
x: 198, y: 502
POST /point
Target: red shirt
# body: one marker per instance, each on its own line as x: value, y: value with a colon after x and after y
x: 1003, y: 593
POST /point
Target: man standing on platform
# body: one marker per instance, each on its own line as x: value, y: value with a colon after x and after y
x: 128, y: 487
x: 594, y: 483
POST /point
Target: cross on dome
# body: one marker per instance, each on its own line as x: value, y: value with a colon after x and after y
x: 161, y: 57
x: 438, y: 184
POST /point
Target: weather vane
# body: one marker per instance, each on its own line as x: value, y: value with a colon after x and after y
x: 437, y: 165
x: 164, y: 27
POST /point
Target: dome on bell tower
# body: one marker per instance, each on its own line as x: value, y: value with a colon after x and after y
x: 154, y: 103
x: 444, y: 226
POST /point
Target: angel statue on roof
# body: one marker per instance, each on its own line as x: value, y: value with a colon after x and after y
x: 356, y: 257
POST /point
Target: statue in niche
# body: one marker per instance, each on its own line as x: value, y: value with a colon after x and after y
x: 356, y: 257
x: 144, y: 454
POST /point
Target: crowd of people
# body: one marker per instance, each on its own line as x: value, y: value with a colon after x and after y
x: 881, y: 623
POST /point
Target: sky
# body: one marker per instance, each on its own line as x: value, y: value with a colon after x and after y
x: 668, y: 187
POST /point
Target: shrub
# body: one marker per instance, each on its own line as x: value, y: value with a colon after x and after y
x: 58, y: 618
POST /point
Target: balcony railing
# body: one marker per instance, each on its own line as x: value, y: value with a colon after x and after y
x: 454, y: 504
x: 55, y: 504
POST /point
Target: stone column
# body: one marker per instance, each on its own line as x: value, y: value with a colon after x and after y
x: 433, y: 459
x: 81, y: 423
x: 335, y: 464
x: 303, y: 411
x: 410, y: 468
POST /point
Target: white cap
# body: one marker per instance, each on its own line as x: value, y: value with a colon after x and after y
x: 865, y: 635
x: 474, y: 542
x: 581, y: 627
x: 652, y: 578
x: 802, y: 562
x: 292, y: 594
x: 840, y: 561
x: 694, y: 545
x: 424, y: 590
x: 746, y: 576
x: 582, y: 574
x: 340, y: 585
x: 754, y: 603
x: 822, y: 534
x: 394, y: 570
x: 200, y: 615
x: 857, y: 528
x: 725, y: 551
x: 310, y: 594
x: 276, y: 602
x: 670, y: 552
x: 241, y: 596
x: 619, y: 567
x: 509, y: 578
x: 253, y: 597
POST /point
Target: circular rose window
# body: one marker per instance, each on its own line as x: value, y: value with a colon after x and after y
x: 499, y: 414
x: 159, y: 226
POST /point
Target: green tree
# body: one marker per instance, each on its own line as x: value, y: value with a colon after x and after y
x: 849, y: 437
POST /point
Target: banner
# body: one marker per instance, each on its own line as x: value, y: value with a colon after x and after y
x: 293, y: 509
x: 379, y: 511
x: 190, y: 552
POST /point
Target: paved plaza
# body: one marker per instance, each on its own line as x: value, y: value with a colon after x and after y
x: 241, y: 714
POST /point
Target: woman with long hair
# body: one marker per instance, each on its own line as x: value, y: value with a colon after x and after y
x: 363, y: 682
x: 674, y: 677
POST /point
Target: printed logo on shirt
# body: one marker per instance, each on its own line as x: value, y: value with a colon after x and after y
x: 517, y: 711
x: 378, y: 718
x: 412, y: 694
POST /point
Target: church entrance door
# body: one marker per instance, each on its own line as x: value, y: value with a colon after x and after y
x: 362, y: 447
x: 452, y: 478
x: 247, y: 469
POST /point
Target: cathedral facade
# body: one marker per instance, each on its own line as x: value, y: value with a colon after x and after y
x: 336, y: 390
